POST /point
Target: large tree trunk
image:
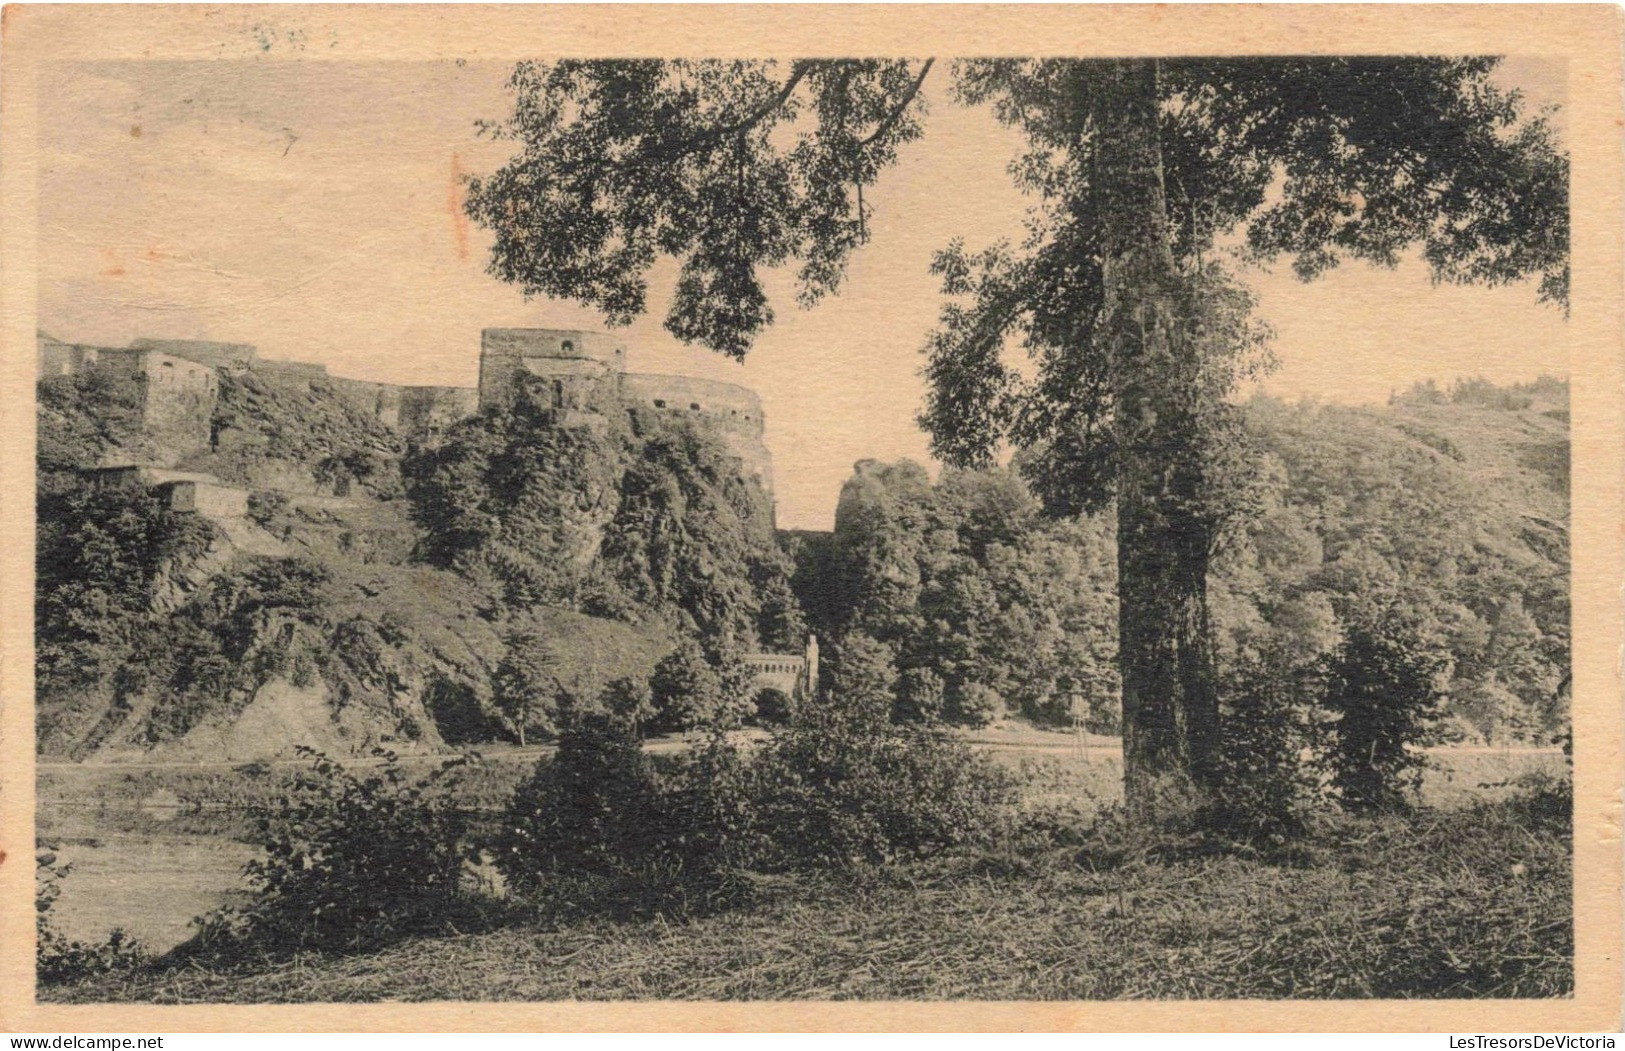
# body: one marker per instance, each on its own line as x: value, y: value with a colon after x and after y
x: 1170, y: 711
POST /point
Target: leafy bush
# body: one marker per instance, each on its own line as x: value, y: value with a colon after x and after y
x: 629, y: 702
x: 843, y: 785
x: 350, y: 861
x: 919, y: 697
x: 1383, y: 694
x: 265, y: 506
x: 1268, y: 775
x: 690, y: 691
x: 712, y: 830
x: 525, y: 684
x: 773, y: 706
x: 592, y: 809
x: 59, y: 959
x: 975, y: 704
x: 862, y: 679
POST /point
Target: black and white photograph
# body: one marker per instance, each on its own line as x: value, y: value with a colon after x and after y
x: 556, y: 522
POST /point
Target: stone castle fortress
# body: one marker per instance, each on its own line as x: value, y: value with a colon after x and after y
x: 179, y: 382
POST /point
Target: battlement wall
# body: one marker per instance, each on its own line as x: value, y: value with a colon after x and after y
x: 577, y: 361
x: 177, y: 398
x: 203, y: 351
x: 735, y: 406
x: 585, y: 374
x: 427, y: 411
x: 291, y: 375
x: 561, y: 343
x: 735, y: 412
x: 57, y: 358
x: 381, y: 401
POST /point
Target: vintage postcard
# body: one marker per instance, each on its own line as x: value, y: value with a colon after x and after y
x: 830, y: 517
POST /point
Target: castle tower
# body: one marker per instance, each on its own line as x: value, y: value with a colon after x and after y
x: 577, y: 363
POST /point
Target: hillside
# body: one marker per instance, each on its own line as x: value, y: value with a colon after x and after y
x: 348, y: 609
x: 1448, y: 508
x: 367, y: 595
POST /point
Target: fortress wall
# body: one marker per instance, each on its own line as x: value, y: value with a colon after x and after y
x: 381, y: 401
x: 426, y: 411
x: 735, y: 411
x: 291, y: 375
x: 554, y: 343
x: 205, y: 352
x: 177, y: 399
x: 207, y: 499
x: 736, y: 407
x: 57, y: 358
x: 559, y: 353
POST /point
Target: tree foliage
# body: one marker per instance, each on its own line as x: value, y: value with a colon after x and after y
x: 728, y: 166
x: 985, y: 605
x: 1138, y: 168
x: 525, y: 685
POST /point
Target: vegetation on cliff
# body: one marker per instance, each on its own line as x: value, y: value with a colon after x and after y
x: 640, y: 516
x: 1445, y: 511
x: 156, y: 628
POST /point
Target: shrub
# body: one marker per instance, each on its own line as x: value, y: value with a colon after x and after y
x: 862, y: 681
x: 919, y: 697
x: 594, y: 809
x: 525, y: 685
x: 975, y: 705
x: 598, y: 828
x: 265, y: 506
x: 1383, y: 694
x: 691, y: 690
x: 629, y: 702
x: 773, y: 706
x: 59, y: 959
x: 1264, y: 783
x: 839, y: 787
x: 711, y: 830
x: 349, y: 861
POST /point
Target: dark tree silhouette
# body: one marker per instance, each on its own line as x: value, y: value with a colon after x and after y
x: 1139, y: 168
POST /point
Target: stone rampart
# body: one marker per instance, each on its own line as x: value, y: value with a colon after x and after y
x: 381, y: 401
x: 577, y: 363
x: 289, y: 375
x: 177, y: 399
x: 205, y: 352
x: 57, y: 358
x: 735, y: 411
x: 209, y: 499
x: 584, y: 371
x: 427, y: 411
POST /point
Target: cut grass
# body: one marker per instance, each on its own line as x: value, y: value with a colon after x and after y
x: 1466, y: 903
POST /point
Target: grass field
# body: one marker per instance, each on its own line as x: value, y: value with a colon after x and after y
x: 1467, y: 902
x: 1471, y: 898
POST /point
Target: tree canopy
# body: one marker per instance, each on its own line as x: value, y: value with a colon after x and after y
x: 1139, y: 169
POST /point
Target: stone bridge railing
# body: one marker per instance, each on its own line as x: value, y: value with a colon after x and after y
x: 794, y: 675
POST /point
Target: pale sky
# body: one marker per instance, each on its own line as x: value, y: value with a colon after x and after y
x: 314, y: 209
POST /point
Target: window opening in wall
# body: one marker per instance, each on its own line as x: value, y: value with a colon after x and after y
x: 569, y: 346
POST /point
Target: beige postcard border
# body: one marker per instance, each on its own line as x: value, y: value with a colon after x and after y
x: 1589, y: 37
